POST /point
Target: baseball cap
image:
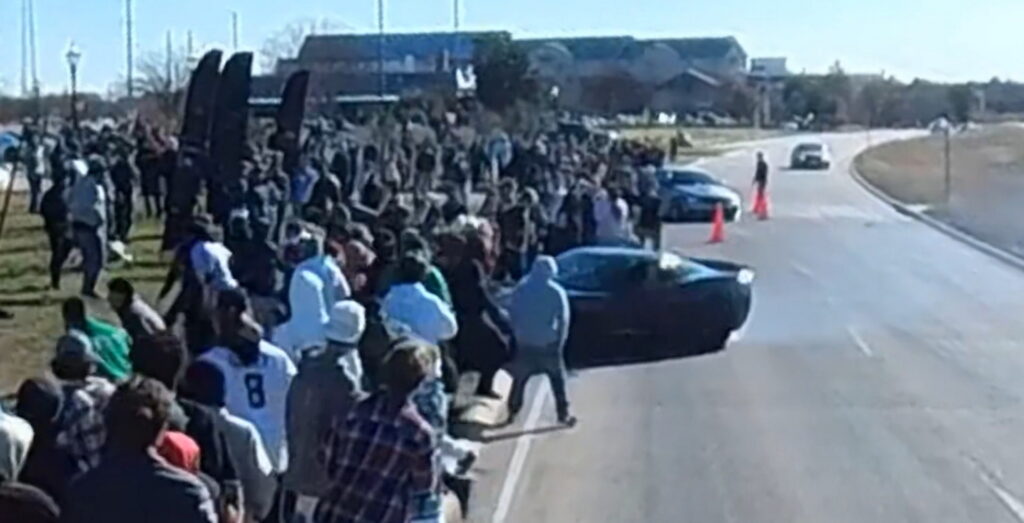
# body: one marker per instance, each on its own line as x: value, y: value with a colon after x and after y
x: 74, y: 348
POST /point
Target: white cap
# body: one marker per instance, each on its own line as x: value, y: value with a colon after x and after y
x: 80, y: 167
x: 347, y: 322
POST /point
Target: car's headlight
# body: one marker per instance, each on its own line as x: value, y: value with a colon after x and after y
x: 745, y: 276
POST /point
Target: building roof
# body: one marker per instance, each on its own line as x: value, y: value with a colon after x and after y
x: 698, y: 48
x: 691, y: 75
x: 397, y: 46
x: 587, y: 47
x: 627, y: 47
x: 348, y: 84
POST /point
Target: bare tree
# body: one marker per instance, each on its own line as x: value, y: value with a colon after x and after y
x: 161, y: 79
x: 286, y: 42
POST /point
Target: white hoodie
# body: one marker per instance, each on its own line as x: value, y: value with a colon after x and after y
x: 306, y: 327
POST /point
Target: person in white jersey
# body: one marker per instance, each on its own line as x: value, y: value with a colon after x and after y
x: 257, y: 376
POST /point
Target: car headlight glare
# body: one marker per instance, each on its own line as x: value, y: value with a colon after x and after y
x: 745, y: 276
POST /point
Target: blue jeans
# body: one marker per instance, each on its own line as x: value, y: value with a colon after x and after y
x: 92, y: 241
x: 530, y: 361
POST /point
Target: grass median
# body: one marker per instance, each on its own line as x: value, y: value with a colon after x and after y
x: 986, y: 185
x: 27, y: 341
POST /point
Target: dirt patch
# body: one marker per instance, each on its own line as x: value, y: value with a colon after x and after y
x: 986, y: 182
x: 27, y: 341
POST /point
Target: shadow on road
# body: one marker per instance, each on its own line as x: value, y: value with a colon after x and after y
x: 619, y: 359
x: 491, y: 438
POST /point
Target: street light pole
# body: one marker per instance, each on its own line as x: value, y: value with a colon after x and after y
x: 73, y: 56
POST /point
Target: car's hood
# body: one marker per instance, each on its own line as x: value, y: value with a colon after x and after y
x: 704, y: 190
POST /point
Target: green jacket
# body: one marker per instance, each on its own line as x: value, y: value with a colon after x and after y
x: 436, y: 285
x: 111, y: 345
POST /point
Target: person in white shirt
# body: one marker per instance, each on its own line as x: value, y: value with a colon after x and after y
x: 324, y: 263
x: 212, y: 262
x: 611, y: 215
x: 411, y: 306
x: 304, y: 330
x: 15, y: 440
x: 257, y: 375
x: 204, y: 384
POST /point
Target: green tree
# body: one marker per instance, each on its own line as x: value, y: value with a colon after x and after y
x: 502, y: 72
x: 878, y: 103
x: 739, y: 100
x: 960, y: 102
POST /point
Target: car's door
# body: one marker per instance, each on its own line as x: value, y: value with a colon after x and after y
x: 599, y: 295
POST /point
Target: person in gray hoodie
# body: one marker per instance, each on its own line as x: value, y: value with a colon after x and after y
x: 87, y: 205
x: 539, y: 313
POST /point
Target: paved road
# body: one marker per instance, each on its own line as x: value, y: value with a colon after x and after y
x: 879, y: 380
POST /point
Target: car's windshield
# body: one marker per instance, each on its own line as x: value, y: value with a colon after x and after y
x: 684, y: 177
x: 810, y: 148
x: 588, y: 271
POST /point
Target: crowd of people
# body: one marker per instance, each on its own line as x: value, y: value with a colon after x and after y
x: 324, y: 309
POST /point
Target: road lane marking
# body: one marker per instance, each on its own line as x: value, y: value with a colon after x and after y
x: 859, y: 342
x: 1014, y: 505
x: 803, y: 270
x: 515, y: 468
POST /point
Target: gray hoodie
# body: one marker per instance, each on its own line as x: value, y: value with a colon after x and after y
x: 87, y: 202
x: 539, y: 308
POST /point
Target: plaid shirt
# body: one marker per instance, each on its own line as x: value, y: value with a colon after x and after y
x: 378, y: 458
x: 83, y: 430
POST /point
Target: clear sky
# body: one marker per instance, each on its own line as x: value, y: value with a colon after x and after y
x: 934, y: 39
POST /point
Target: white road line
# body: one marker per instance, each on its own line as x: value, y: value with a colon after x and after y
x: 803, y: 270
x: 515, y: 467
x: 859, y: 342
x: 1014, y: 505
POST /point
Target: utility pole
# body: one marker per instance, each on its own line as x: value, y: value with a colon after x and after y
x: 24, y: 47
x: 188, y: 43
x: 168, y: 65
x: 234, y: 29
x: 451, y: 65
x: 380, y: 48
x: 129, y: 44
x: 948, y: 185
x: 32, y: 45
x: 35, y: 58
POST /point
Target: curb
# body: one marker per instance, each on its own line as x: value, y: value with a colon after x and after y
x: 1014, y: 260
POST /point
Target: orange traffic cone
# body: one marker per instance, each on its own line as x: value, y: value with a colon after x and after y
x: 761, y: 204
x: 718, y: 225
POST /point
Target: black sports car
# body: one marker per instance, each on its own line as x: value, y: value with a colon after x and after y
x: 690, y: 194
x: 635, y: 304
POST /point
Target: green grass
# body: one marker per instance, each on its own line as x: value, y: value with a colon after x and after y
x: 913, y: 171
x: 27, y: 341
